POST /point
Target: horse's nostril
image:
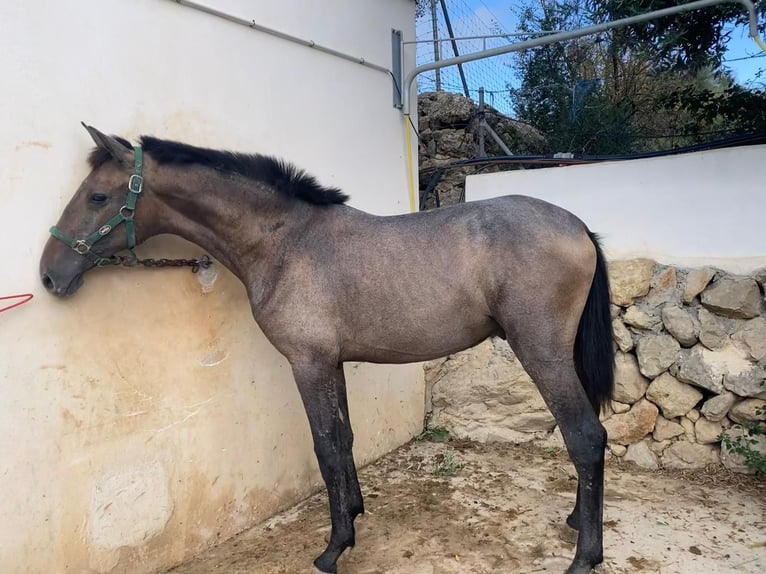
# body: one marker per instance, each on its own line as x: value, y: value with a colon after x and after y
x: 48, y: 283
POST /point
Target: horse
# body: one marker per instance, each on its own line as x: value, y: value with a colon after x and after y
x: 328, y: 283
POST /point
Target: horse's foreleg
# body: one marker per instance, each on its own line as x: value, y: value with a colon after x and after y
x: 356, y: 502
x: 323, y: 391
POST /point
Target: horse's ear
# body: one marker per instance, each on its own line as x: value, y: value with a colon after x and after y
x: 115, y: 148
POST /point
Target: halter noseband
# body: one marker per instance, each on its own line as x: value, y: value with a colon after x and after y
x: 125, y: 214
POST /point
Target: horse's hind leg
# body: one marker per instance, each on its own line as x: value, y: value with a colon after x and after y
x: 323, y: 391
x: 585, y: 439
x: 573, y: 520
x: 541, y: 325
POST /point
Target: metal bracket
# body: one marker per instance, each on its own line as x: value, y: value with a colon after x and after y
x: 396, y: 67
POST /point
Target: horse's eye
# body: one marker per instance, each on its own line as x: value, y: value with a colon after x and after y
x: 98, y: 199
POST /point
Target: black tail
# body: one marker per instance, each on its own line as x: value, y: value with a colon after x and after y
x: 593, y: 349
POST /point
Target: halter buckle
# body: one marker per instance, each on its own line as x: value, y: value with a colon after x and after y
x: 81, y: 247
x: 135, y: 183
x: 127, y: 212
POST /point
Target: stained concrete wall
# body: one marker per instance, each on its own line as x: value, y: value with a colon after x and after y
x: 695, y: 209
x: 146, y: 419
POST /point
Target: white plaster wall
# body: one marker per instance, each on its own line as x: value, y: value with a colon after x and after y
x: 704, y: 208
x: 143, y: 419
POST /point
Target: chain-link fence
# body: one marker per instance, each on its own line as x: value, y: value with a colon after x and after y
x: 475, y: 21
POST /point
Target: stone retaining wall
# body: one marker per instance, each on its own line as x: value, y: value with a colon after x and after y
x: 448, y: 129
x: 690, y: 364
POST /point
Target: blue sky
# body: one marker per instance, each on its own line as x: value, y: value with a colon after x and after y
x: 742, y: 46
x: 475, y: 17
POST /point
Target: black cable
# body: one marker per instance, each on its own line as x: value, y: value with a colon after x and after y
x: 747, y: 139
x: 688, y: 134
x: 745, y: 58
x: 399, y: 91
x: 396, y: 84
x: 413, y: 127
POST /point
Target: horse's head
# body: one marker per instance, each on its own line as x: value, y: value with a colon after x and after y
x: 98, y: 221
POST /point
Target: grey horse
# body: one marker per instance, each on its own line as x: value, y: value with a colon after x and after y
x: 328, y: 283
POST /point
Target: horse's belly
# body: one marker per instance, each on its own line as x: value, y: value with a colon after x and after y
x: 407, y: 341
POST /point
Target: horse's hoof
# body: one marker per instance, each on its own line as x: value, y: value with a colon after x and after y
x: 324, y: 566
x: 580, y: 568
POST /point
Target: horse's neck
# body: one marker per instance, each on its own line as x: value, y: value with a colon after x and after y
x: 237, y: 221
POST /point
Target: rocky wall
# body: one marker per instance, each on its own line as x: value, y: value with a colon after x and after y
x: 690, y: 365
x: 448, y: 130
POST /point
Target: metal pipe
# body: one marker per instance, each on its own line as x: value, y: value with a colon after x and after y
x: 570, y: 35
x: 497, y: 139
x: 485, y: 127
x: 290, y: 38
x: 482, y: 153
x: 437, y: 46
x: 445, y: 13
x: 484, y: 37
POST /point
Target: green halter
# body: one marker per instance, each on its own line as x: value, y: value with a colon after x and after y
x: 125, y: 214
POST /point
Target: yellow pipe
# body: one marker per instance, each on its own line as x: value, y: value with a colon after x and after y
x: 411, y: 167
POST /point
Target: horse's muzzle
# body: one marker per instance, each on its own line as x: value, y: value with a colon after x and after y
x: 61, y: 286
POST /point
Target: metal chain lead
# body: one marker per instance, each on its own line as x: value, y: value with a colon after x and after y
x: 195, y: 264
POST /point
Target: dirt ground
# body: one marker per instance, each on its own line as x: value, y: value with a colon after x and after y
x: 503, y: 511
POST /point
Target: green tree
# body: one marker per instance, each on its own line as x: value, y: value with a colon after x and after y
x: 628, y: 90
x: 421, y: 6
x: 692, y: 40
x: 578, y: 93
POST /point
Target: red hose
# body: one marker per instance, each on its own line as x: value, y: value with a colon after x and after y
x: 25, y: 297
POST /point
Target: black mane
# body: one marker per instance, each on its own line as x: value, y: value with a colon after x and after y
x: 284, y: 177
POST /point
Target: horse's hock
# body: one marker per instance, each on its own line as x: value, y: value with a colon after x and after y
x: 690, y: 366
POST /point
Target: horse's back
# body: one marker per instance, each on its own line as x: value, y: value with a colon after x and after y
x: 502, y: 236
x: 515, y: 217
